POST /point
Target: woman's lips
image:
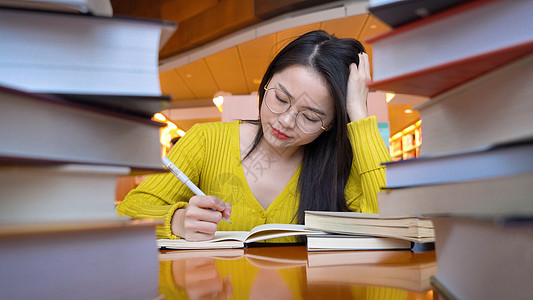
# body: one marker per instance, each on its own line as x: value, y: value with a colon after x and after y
x: 279, y: 134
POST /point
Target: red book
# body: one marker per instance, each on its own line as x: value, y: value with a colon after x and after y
x: 435, y: 54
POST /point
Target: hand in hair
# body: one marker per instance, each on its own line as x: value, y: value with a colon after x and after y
x: 357, y: 90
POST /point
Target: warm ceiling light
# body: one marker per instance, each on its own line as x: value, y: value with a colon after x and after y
x: 218, y: 102
x: 159, y: 117
x: 389, y: 97
x: 180, y: 132
x: 171, y: 125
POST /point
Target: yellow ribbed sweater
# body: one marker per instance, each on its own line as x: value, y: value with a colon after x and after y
x: 210, y: 156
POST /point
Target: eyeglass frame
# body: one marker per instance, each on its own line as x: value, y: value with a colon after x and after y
x: 290, y: 105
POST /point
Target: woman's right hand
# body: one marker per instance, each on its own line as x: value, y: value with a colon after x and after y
x: 198, y: 222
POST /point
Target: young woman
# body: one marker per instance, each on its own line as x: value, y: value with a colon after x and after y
x: 314, y: 147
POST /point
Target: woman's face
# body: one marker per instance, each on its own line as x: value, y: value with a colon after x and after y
x: 308, y: 96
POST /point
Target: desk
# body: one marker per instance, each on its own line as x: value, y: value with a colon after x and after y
x: 290, y: 272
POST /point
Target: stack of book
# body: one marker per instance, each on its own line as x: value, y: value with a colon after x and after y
x: 474, y: 176
x: 68, y: 132
x: 326, y: 231
x: 364, y: 231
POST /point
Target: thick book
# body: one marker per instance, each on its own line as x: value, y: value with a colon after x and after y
x: 407, y: 228
x: 53, y: 193
x: 94, y: 7
x: 399, y: 12
x: 239, y: 239
x: 492, y: 109
x: 80, y: 260
x: 68, y: 53
x: 339, y: 242
x: 432, y: 55
x: 505, y: 196
x: 37, y: 127
x: 487, y: 162
x: 413, y: 275
x: 484, y: 259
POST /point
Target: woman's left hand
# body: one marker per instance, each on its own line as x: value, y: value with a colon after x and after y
x: 357, y: 91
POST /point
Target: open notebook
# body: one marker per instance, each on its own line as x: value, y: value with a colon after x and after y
x: 239, y: 239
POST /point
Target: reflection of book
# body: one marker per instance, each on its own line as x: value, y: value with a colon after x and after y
x: 484, y: 259
x: 79, y: 260
x: 432, y: 55
x: 408, y: 228
x: 239, y: 239
x: 354, y: 242
x: 214, y: 253
x: 333, y: 258
x: 413, y: 275
x: 259, y: 257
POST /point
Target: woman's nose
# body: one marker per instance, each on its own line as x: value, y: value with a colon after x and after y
x: 288, y: 118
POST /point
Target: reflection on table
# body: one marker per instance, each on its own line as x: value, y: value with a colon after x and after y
x: 290, y: 272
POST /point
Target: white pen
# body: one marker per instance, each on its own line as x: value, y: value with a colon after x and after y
x: 183, y: 178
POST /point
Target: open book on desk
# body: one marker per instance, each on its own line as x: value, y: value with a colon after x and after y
x: 239, y: 239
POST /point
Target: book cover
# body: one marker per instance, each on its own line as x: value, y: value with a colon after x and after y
x: 432, y: 55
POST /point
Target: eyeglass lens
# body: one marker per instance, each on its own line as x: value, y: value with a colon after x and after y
x: 279, y: 102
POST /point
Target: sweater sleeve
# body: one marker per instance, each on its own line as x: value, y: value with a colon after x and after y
x: 160, y: 195
x: 367, y: 176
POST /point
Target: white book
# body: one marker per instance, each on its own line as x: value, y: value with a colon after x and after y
x: 480, y: 259
x: 494, y: 108
x: 67, y: 53
x: 338, y: 242
x: 429, y: 56
x: 80, y: 260
x: 502, y: 196
x: 35, y: 127
x: 95, y: 7
x: 46, y: 193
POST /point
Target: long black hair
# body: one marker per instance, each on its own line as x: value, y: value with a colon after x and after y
x: 327, y: 160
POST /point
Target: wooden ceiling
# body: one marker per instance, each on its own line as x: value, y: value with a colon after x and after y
x: 218, y: 46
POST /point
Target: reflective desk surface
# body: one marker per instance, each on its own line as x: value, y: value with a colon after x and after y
x: 290, y: 272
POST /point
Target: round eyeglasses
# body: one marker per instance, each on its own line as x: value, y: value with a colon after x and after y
x: 279, y: 102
